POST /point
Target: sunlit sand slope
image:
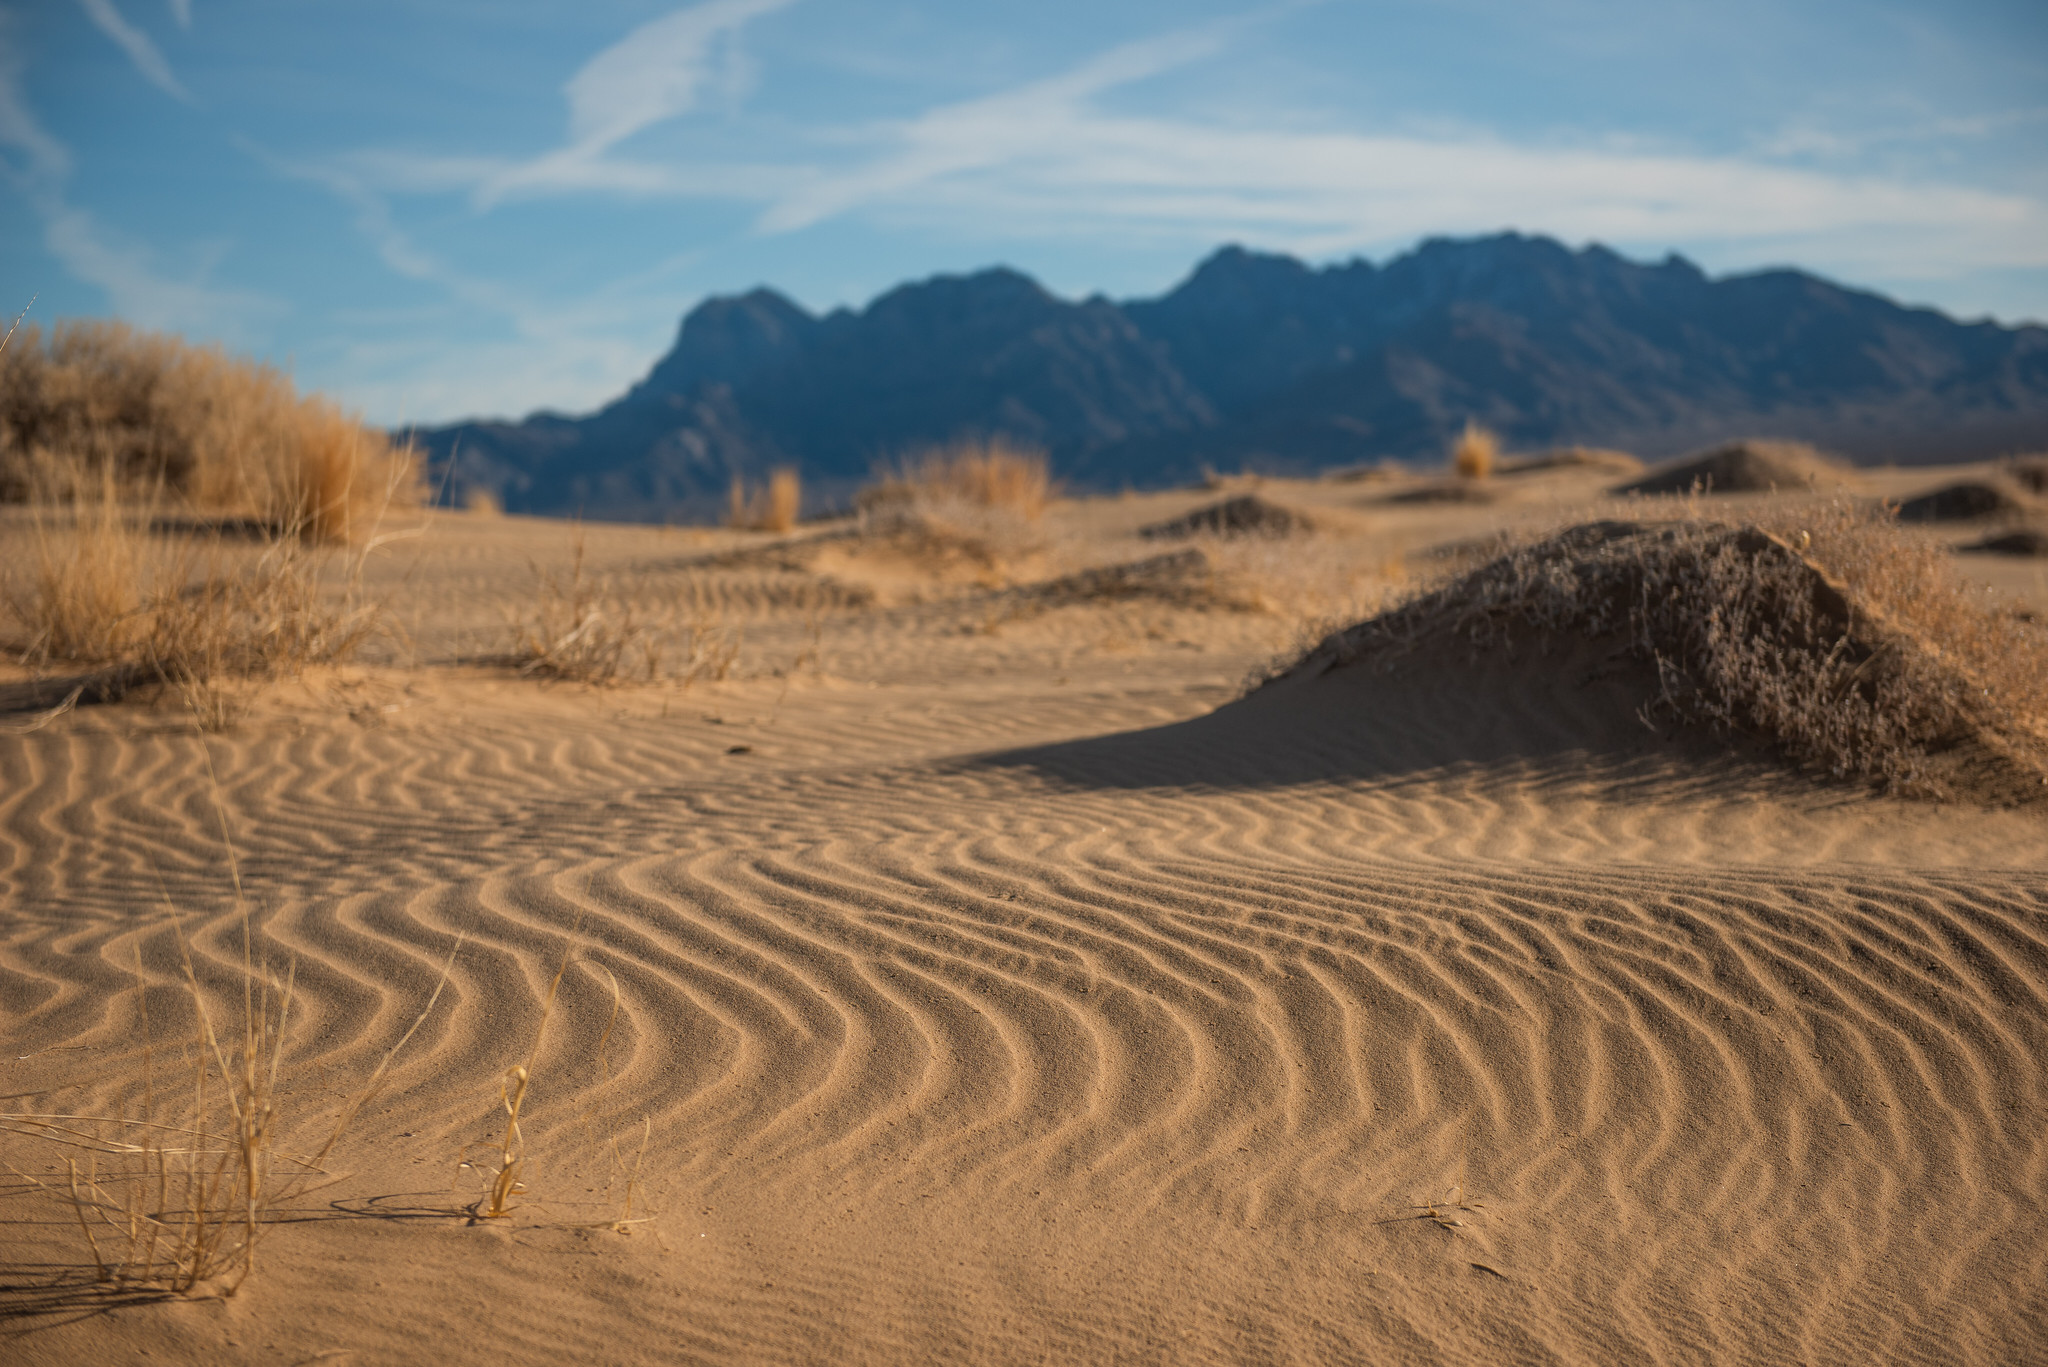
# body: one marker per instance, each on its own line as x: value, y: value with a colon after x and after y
x: 1454, y: 1014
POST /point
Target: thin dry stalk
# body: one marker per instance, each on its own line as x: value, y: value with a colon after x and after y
x: 190, y: 1203
x: 505, y: 1183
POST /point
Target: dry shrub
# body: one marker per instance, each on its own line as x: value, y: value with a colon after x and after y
x: 1475, y: 452
x: 976, y: 505
x: 218, y: 434
x: 989, y: 476
x: 774, y: 508
x: 177, y: 1199
x: 583, y: 630
x: 1850, y: 645
x: 197, y: 617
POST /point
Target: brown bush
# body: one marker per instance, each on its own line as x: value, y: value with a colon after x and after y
x: 983, y: 475
x: 583, y: 629
x: 198, y: 617
x: 774, y: 508
x: 1475, y: 452
x: 209, y: 432
x: 1827, y: 631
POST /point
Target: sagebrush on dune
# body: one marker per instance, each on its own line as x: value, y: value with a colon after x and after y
x: 1828, y: 632
x: 101, y: 588
x: 214, y: 433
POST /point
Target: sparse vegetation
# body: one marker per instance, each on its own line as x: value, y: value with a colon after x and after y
x: 1824, y: 629
x: 975, y: 504
x: 182, y: 1202
x: 584, y: 630
x: 191, y: 427
x: 104, y: 590
x: 986, y: 476
x: 773, y: 508
x: 1475, y: 452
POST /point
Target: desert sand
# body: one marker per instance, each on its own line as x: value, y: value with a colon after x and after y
x: 996, y: 982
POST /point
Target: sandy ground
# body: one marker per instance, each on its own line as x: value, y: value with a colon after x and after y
x: 994, y: 985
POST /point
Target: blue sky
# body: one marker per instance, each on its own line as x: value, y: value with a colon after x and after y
x: 452, y: 207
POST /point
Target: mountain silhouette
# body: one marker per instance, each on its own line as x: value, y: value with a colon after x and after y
x: 1258, y: 361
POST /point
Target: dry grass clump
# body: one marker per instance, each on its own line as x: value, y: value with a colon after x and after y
x: 974, y: 506
x: 583, y: 630
x: 177, y: 1199
x: 97, y: 589
x: 1851, y: 646
x: 1749, y: 466
x: 1475, y: 452
x: 773, y: 508
x: 217, y: 434
x: 988, y: 476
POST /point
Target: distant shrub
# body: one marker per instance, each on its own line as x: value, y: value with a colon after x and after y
x: 1475, y: 452
x: 986, y: 475
x: 191, y: 425
x: 774, y: 508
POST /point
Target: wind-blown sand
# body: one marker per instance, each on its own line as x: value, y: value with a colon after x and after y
x: 1019, y: 994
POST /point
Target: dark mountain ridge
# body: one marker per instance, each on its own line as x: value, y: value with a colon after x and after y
x: 1260, y: 361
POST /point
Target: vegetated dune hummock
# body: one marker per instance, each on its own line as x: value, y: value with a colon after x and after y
x: 978, y: 975
x: 1737, y: 627
x: 1969, y: 501
x: 1245, y: 515
x: 1739, y: 467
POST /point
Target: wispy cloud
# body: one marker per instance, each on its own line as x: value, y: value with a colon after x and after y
x: 578, y: 351
x: 654, y: 74
x: 133, y: 41
x: 39, y: 168
x: 1061, y: 156
x: 1049, y: 158
x: 181, y: 10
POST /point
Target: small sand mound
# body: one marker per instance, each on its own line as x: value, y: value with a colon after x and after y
x: 1245, y: 515
x: 2031, y: 472
x: 1740, y: 467
x: 2027, y: 541
x: 1848, y: 646
x: 1574, y: 458
x: 1451, y: 491
x: 1177, y: 576
x: 1964, y: 502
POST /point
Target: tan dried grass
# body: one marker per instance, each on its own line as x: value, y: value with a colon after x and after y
x: 1475, y: 453
x: 583, y: 629
x: 198, y: 618
x: 987, y: 475
x: 773, y: 508
x: 1850, y: 645
x: 194, y: 426
x: 182, y: 1202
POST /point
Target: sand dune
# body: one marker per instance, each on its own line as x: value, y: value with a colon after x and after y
x: 1015, y: 995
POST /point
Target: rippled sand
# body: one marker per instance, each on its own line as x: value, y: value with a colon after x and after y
x: 995, y: 987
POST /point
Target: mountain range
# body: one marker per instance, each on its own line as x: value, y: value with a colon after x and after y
x: 1258, y: 361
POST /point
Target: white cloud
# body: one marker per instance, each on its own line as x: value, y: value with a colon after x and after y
x: 653, y: 74
x: 1068, y: 168
x: 39, y: 167
x: 133, y: 41
x: 1054, y: 157
x: 181, y: 10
